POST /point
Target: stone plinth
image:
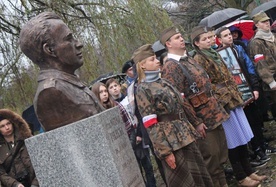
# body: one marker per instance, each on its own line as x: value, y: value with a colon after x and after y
x: 93, y: 152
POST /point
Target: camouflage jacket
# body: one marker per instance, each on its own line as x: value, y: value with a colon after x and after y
x: 161, y: 98
x: 266, y: 67
x: 228, y: 95
x: 211, y: 113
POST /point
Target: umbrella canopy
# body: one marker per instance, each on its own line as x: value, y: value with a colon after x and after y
x: 103, y: 78
x: 269, y: 8
x: 222, y: 17
x: 246, y: 26
x: 158, y: 48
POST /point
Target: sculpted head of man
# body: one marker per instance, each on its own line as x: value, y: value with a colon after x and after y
x: 50, y: 44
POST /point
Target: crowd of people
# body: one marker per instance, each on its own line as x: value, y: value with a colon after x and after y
x: 183, y: 108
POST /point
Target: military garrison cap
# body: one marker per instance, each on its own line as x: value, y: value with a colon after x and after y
x: 196, y: 31
x: 261, y: 16
x: 142, y: 53
x: 167, y: 34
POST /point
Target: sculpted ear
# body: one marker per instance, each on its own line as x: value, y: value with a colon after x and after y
x: 48, y: 50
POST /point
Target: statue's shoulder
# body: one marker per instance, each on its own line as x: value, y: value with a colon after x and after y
x: 49, y: 83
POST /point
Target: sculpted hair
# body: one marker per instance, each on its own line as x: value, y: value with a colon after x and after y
x: 34, y: 34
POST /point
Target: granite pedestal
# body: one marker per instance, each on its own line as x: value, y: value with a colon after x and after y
x: 93, y: 152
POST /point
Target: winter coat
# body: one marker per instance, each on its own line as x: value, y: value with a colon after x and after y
x: 22, y: 160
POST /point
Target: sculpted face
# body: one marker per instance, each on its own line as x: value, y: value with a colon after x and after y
x: 67, y: 49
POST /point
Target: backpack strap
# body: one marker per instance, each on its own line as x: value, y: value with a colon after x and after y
x: 192, y: 83
x: 19, y: 145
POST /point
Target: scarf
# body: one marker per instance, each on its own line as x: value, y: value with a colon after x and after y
x: 152, y: 76
x: 129, y: 103
x: 212, y: 54
x: 130, y: 80
x: 265, y: 35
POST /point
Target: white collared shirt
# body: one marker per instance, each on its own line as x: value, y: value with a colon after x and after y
x: 175, y: 57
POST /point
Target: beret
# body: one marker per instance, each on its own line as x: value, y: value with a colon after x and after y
x: 128, y: 64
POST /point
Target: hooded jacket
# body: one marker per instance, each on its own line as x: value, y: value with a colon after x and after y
x: 239, y: 41
x: 22, y: 160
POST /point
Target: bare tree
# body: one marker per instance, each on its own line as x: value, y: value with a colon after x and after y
x: 109, y: 29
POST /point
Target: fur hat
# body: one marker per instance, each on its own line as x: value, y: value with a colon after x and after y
x: 261, y: 16
x: 167, y: 34
x: 196, y: 31
x: 142, y: 52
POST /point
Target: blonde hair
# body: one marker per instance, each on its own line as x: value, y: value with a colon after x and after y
x: 140, y: 72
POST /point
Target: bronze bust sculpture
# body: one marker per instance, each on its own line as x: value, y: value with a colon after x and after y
x: 61, y: 97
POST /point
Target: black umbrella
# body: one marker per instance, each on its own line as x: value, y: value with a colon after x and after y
x: 158, y: 48
x: 103, y: 78
x: 222, y: 17
x: 269, y: 8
